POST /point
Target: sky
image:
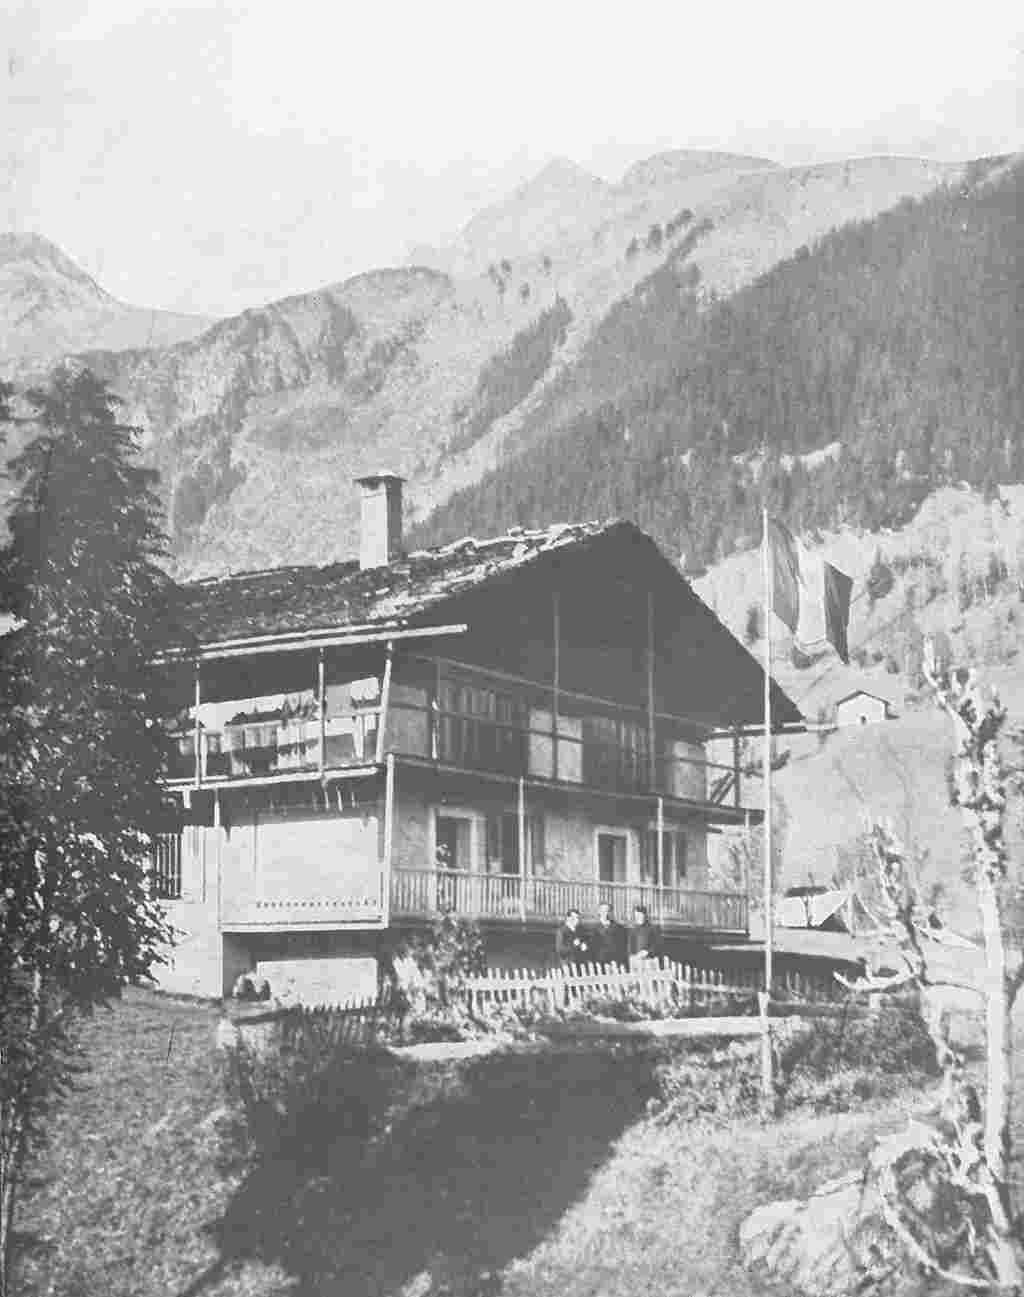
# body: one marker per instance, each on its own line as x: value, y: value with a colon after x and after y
x: 207, y: 156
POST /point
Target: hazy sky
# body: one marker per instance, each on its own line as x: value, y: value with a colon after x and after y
x: 209, y: 156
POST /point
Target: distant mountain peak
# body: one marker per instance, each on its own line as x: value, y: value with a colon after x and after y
x: 562, y: 175
x: 684, y: 164
x: 30, y: 252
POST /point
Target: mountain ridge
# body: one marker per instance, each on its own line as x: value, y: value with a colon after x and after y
x: 50, y: 307
x: 263, y: 418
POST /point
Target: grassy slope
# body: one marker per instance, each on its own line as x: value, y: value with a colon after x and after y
x: 525, y: 1174
x: 897, y: 769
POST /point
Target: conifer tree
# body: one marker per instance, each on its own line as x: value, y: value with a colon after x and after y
x: 81, y: 750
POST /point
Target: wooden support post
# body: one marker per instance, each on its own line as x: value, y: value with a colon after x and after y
x: 652, y: 757
x: 556, y: 631
x: 321, y: 694
x: 660, y: 853
x: 435, y: 728
x: 521, y: 808
x: 198, y: 732
x: 385, y: 700
x: 389, y: 835
x: 736, y: 766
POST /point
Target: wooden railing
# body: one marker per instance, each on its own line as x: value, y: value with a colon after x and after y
x: 570, y: 752
x: 423, y: 892
x: 260, y: 748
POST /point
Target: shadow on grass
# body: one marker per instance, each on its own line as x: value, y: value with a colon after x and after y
x: 480, y: 1163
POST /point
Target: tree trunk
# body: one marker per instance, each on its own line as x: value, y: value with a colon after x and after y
x: 15, y: 1136
x: 8, y: 1181
x: 998, y: 1036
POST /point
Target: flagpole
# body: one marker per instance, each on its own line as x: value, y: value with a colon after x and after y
x: 769, y: 600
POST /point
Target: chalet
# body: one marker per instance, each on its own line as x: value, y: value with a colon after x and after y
x: 502, y: 728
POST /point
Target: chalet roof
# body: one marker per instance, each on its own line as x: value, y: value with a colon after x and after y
x: 341, y: 595
x: 414, y: 591
x: 864, y: 693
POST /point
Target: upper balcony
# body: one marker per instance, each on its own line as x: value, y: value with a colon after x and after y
x: 459, y: 718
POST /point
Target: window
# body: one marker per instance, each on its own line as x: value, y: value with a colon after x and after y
x: 481, y: 728
x: 502, y: 843
x: 165, y: 869
x: 453, y: 841
x: 612, y: 856
x: 502, y: 854
x: 615, y: 752
x: 673, y: 857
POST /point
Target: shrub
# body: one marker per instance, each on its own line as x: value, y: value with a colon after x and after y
x: 709, y: 1081
x: 829, y: 1064
x: 437, y: 965
x: 311, y: 1088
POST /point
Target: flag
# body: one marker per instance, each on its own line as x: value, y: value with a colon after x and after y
x: 810, y: 597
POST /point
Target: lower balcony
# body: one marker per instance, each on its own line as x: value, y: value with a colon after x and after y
x: 422, y: 893
x: 507, y: 898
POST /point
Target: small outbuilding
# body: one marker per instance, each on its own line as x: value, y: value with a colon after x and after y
x: 863, y: 708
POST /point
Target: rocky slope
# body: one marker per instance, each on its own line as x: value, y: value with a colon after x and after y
x: 259, y: 423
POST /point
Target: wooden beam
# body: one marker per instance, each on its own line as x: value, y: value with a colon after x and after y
x: 389, y: 835
x: 652, y: 759
x: 661, y: 844
x: 198, y: 734
x: 385, y: 700
x: 521, y: 811
x: 556, y: 683
x: 303, y: 641
x: 321, y: 693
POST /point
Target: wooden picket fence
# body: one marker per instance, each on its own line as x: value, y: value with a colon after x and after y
x: 686, y: 988
x: 354, y: 1023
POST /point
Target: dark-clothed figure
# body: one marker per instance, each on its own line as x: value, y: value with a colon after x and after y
x: 572, y: 945
x: 644, y: 938
x: 609, y: 938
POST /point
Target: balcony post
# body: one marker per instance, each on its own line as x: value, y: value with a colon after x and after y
x: 521, y: 810
x: 321, y: 694
x: 389, y: 835
x: 385, y: 700
x: 652, y: 759
x: 198, y: 733
x: 556, y: 635
x: 736, y: 766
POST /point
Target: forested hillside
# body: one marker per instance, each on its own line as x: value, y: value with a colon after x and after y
x: 840, y: 387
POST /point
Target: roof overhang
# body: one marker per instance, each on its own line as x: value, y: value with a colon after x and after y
x: 298, y: 641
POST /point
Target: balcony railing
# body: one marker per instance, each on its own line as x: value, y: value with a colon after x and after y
x: 575, y: 749
x: 259, y: 748
x: 419, y: 893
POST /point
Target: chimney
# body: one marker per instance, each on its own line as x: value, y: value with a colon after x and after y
x: 380, y: 527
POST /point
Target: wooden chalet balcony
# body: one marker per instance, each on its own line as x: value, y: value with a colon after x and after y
x: 473, y: 720
x: 608, y: 750
x: 268, y: 746
x: 423, y: 893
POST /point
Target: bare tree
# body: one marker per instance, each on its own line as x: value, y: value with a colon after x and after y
x: 965, y: 1231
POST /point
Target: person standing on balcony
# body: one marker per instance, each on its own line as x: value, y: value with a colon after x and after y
x: 572, y: 945
x: 644, y: 938
x: 609, y: 941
